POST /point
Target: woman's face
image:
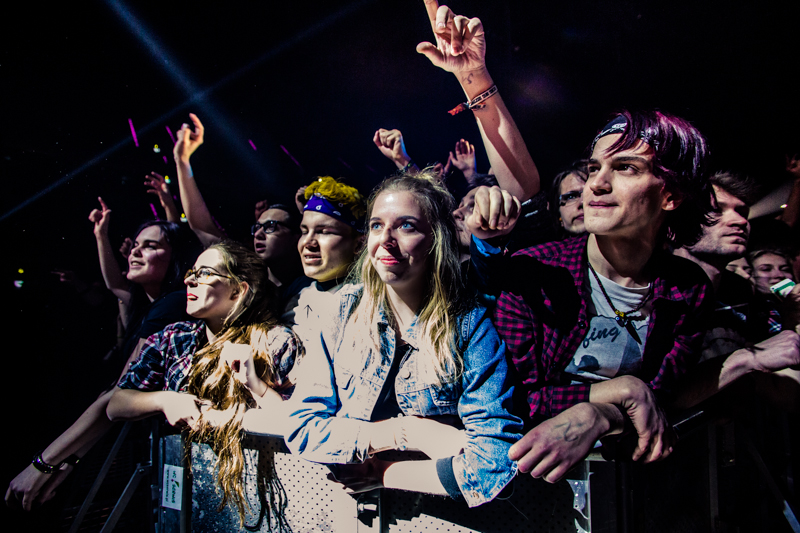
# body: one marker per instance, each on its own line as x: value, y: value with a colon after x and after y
x: 769, y: 269
x: 400, y: 240
x: 209, y: 295
x: 149, y: 259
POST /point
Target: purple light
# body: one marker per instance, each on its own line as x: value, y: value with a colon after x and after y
x: 166, y: 161
x: 133, y: 132
x: 171, y: 136
x: 155, y: 213
x: 285, y: 151
x: 251, y: 144
x: 342, y: 161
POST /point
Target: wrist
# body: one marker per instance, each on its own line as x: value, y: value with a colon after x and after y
x: 474, y: 82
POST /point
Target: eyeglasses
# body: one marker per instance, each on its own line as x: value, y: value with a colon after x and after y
x: 569, y: 197
x: 203, y: 274
x: 270, y: 226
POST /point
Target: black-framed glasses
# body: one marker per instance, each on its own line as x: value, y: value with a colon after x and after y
x: 203, y: 274
x: 270, y: 226
x: 569, y: 197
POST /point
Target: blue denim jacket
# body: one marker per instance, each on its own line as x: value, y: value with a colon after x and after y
x: 337, y: 391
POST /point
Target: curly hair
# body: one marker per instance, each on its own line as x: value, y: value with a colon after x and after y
x: 336, y: 191
x: 249, y: 322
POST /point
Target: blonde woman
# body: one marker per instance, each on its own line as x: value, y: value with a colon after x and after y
x: 409, y: 361
x: 205, y: 374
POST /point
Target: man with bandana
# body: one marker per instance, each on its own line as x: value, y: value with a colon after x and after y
x: 600, y: 327
x: 330, y: 238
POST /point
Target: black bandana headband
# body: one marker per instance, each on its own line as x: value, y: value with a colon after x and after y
x: 618, y: 125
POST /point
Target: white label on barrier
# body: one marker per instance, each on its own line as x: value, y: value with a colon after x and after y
x: 171, y: 493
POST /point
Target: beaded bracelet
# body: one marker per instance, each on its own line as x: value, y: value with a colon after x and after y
x: 40, y: 465
x: 475, y: 103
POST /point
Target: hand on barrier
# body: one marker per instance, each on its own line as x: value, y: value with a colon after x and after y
x: 32, y: 488
x: 181, y: 409
x: 550, y: 449
x: 363, y: 477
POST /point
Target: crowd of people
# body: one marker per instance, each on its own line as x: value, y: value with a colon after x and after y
x: 506, y: 332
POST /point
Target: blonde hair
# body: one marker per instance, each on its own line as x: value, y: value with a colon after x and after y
x: 443, y: 300
x: 249, y: 322
x: 336, y: 191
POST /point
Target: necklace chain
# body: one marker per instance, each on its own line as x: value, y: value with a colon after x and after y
x: 622, y: 316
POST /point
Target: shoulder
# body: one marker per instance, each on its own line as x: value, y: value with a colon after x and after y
x: 167, y: 309
x: 176, y: 330
x: 281, y: 336
x: 680, y: 278
x: 557, y: 252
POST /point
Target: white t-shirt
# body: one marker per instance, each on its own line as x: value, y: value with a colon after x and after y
x: 609, y: 350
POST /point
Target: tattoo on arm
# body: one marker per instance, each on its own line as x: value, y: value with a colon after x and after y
x: 570, y: 436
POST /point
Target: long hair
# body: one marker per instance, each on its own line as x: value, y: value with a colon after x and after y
x: 211, y: 379
x: 681, y: 158
x: 443, y: 299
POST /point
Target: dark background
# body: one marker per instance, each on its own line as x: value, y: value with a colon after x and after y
x: 317, y: 78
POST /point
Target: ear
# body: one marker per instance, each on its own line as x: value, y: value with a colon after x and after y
x: 240, y: 290
x: 670, y: 200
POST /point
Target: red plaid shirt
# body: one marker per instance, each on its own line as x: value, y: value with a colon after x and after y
x: 541, y: 315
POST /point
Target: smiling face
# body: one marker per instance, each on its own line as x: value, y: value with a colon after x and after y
x: 399, y: 242
x: 213, y: 299
x: 726, y: 240
x: 281, y: 243
x: 327, y: 246
x: 622, y: 197
x: 571, y: 210
x: 769, y: 269
x: 149, y: 260
x: 461, y: 215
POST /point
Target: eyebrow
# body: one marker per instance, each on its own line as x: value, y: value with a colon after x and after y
x: 403, y: 218
x: 148, y: 241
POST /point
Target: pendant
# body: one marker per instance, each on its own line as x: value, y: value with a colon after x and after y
x: 626, y: 323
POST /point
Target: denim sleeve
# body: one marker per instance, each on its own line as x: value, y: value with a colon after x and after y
x: 485, y: 409
x: 314, y: 431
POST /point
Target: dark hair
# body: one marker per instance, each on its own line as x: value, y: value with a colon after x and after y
x: 185, y: 248
x: 742, y: 187
x: 576, y: 167
x: 482, y: 180
x: 294, y: 216
x: 681, y: 156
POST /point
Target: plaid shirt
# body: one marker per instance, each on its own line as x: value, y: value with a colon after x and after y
x: 166, y: 358
x: 542, y: 317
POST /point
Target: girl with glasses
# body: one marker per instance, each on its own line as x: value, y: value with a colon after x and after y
x: 205, y: 374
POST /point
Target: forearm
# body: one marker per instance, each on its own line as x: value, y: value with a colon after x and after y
x: 508, y: 155
x: 112, y: 275
x: 170, y: 209
x: 416, y: 476
x: 130, y: 404
x: 195, y: 208
x: 81, y: 435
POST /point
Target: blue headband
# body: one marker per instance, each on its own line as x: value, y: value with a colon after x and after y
x: 339, y: 211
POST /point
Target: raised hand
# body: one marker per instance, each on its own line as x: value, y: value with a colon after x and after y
x: 156, y: 184
x: 187, y: 140
x: 495, y: 213
x: 460, y: 42
x: 464, y: 159
x: 300, y: 198
x: 127, y: 246
x: 100, y: 218
x: 391, y: 145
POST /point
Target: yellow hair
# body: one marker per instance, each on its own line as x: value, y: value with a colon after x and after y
x: 336, y: 191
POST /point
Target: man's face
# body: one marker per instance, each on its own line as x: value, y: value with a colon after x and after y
x: 726, y: 240
x: 327, y: 246
x: 281, y: 243
x: 570, y: 207
x: 461, y: 215
x: 622, y: 197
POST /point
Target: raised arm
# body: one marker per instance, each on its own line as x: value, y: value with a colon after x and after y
x: 461, y: 49
x: 156, y: 184
x: 391, y: 145
x: 112, y: 275
x: 194, y: 206
x: 464, y: 160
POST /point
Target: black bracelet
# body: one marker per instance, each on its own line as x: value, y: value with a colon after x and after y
x: 45, y: 468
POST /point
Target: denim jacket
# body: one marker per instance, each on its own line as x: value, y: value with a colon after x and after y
x: 337, y: 391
